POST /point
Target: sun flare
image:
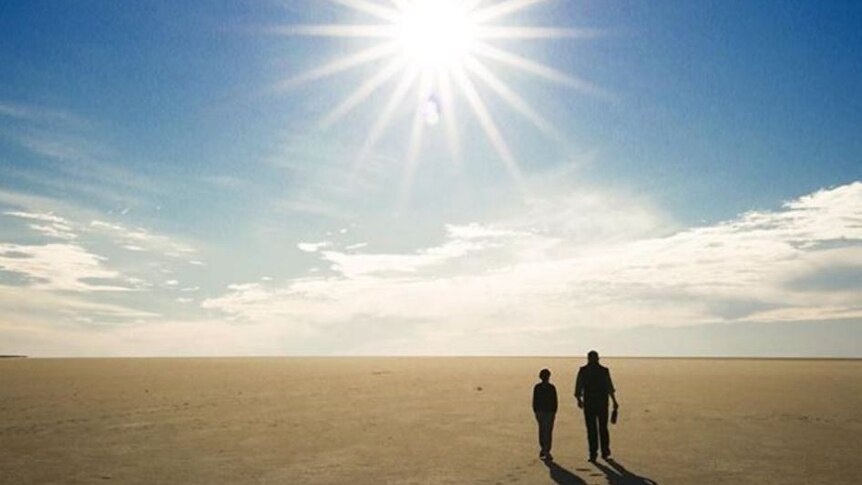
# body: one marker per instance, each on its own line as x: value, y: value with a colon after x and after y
x: 444, y: 51
x: 435, y: 34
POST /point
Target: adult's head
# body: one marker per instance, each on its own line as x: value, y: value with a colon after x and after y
x: 593, y: 357
x: 544, y: 375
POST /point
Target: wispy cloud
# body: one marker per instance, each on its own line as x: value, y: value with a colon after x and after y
x: 47, y: 224
x: 54, y: 307
x: 352, y: 247
x: 40, y: 114
x: 321, y: 187
x: 66, y: 148
x: 140, y: 239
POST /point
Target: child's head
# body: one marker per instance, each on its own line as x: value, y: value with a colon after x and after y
x: 544, y: 375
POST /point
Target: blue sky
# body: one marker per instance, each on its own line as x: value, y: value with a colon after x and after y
x: 160, y: 195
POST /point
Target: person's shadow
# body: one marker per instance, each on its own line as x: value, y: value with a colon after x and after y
x: 562, y: 476
x: 618, y: 475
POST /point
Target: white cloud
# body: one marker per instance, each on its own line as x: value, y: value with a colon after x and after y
x: 514, y: 279
x: 357, y: 264
x: 478, y: 231
x: 57, y: 266
x: 312, y: 247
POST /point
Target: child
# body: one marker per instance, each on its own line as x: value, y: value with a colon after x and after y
x: 545, y: 407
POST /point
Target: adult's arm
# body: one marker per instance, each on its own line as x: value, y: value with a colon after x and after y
x: 612, y: 391
x: 535, y: 399
x: 579, y: 388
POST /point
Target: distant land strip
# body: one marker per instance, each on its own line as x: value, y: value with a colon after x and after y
x: 335, y: 357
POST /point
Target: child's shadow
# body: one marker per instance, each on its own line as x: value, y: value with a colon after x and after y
x: 618, y: 475
x: 562, y: 476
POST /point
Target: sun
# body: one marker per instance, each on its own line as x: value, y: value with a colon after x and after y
x: 445, y: 52
x: 435, y: 34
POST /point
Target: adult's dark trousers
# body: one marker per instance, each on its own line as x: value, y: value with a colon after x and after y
x: 546, y: 430
x: 597, y: 428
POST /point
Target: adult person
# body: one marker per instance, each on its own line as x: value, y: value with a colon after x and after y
x: 545, y: 409
x: 593, y: 387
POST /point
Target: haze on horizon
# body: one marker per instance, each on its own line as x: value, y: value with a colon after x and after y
x: 267, y: 178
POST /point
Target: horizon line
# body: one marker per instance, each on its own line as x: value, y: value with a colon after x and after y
x: 430, y: 356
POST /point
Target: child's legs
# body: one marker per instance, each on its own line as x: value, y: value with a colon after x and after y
x: 546, y: 429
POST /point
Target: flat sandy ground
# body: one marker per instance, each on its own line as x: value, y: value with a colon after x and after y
x: 422, y: 420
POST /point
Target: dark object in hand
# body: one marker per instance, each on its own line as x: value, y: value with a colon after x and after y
x: 614, y: 416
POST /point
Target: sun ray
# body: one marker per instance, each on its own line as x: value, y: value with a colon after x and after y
x: 370, y: 8
x: 400, y: 4
x: 449, y: 117
x: 385, y: 116
x: 416, y: 132
x: 487, y: 122
x: 362, y: 93
x: 538, y: 69
x: 356, y: 59
x: 511, y: 97
x: 512, y: 33
x: 503, y: 9
x: 336, y: 30
x: 471, y: 5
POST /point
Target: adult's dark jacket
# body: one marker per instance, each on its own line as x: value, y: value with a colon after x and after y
x: 594, y: 385
x: 544, y: 398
